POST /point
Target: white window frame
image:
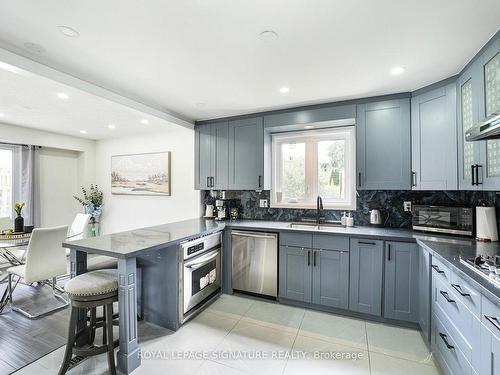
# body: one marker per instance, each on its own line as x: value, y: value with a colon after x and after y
x: 16, y: 173
x: 311, y: 138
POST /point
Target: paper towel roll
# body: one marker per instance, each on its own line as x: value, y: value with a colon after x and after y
x: 486, y: 224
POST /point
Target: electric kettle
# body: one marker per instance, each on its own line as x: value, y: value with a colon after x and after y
x: 375, y: 217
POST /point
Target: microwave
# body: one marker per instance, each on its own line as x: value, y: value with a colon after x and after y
x: 442, y: 219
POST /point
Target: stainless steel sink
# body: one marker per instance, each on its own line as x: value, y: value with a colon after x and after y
x: 303, y: 226
x: 330, y: 227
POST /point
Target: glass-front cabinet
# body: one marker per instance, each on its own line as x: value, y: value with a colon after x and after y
x: 479, y: 97
x: 491, y: 78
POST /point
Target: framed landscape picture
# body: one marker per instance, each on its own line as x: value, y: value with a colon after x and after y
x: 141, y: 174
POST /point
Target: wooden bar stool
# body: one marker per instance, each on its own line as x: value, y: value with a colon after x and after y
x: 89, y: 291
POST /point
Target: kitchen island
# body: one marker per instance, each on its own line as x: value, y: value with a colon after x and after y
x: 153, y: 251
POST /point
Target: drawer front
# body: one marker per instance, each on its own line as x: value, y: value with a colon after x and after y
x: 490, y: 316
x: 467, y: 294
x: 447, y: 352
x: 440, y: 270
x: 296, y: 239
x: 458, y: 315
x: 330, y: 242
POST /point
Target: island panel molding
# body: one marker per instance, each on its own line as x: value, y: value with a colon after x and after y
x: 141, y: 174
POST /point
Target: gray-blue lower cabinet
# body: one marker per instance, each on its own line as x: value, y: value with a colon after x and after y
x: 424, y: 292
x: 331, y: 278
x: 295, y: 277
x: 365, y: 274
x: 401, y: 281
x: 490, y: 352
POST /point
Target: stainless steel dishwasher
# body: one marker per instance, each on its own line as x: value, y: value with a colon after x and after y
x: 255, y: 262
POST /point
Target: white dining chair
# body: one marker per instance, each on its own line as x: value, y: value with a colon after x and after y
x: 6, y: 223
x: 79, y: 227
x: 45, y: 261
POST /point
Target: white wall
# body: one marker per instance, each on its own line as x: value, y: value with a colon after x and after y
x: 57, y: 172
x: 123, y: 212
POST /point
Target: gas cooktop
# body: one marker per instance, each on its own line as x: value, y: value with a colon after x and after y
x: 486, y: 266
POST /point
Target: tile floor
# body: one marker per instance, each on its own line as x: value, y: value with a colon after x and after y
x: 248, y: 326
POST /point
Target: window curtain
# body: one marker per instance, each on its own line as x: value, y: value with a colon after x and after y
x: 29, y: 186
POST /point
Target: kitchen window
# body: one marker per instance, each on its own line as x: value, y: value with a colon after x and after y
x: 311, y: 163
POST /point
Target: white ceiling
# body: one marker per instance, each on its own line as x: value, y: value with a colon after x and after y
x: 177, y: 54
x: 32, y: 101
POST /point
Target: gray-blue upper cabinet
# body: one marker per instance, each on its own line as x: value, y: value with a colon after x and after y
x: 365, y: 275
x: 383, y: 145
x: 295, y: 273
x: 211, y: 156
x: 478, y: 97
x: 401, y: 281
x: 434, y: 132
x: 331, y: 278
x: 246, y: 154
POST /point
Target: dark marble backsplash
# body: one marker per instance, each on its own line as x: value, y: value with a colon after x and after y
x: 389, y: 202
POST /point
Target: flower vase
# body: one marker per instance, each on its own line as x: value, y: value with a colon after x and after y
x: 18, y: 223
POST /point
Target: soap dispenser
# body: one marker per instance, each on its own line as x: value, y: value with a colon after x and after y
x: 343, y: 219
x: 349, y: 221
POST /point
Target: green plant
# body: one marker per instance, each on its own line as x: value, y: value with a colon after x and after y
x: 94, y: 196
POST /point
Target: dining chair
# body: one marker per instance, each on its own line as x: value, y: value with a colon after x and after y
x: 6, y: 223
x: 45, y: 260
x: 79, y: 227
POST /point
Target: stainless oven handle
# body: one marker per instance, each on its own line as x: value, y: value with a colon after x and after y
x: 202, y: 260
x: 248, y: 234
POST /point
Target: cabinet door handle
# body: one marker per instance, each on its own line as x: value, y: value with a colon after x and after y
x: 458, y: 288
x: 367, y: 243
x: 436, y: 268
x: 208, y: 181
x: 472, y: 167
x: 413, y: 178
x: 308, y: 257
x: 212, y: 181
x: 477, y: 174
x: 445, y: 340
x: 446, y: 296
x: 359, y: 179
x: 493, y: 320
x: 314, y: 258
x: 389, y: 252
x: 260, y: 181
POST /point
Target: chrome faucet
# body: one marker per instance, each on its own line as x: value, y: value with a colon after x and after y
x: 319, y: 210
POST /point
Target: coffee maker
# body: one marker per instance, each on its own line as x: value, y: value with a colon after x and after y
x: 220, y: 205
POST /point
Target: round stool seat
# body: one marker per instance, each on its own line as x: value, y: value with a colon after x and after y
x: 100, y: 283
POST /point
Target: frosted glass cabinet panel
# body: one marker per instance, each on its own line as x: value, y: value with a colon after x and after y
x: 492, y: 104
x: 467, y: 123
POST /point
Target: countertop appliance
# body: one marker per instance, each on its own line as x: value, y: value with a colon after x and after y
x: 488, y: 129
x: 200, y: 273
x: 255, y: 262
x: 485, y: 266
x: 486, y: 224
x: 375, y: 217
x: 441, y: 219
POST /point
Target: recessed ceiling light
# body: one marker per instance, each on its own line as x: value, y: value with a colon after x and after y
x: 68, y: 31
x: 398, y: 70
x: 284, y: 90
x: 144, y: 121
x: 201, y: 105
x: 33, y: 47
x: 308, y: 127
x: 83, y: 131
x: 269, y: 35
x: 111, y: 126
x: 62, y: 95
x: 2, y: 115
